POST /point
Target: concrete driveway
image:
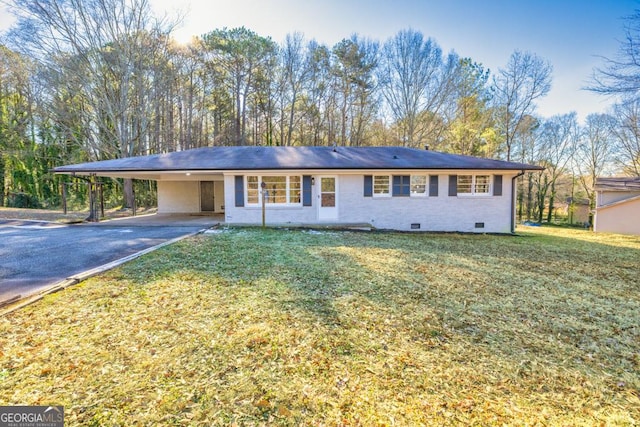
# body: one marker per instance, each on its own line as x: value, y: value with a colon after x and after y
x: 36, y: 255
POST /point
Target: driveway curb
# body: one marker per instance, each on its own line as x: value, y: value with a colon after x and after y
x: 77, y: 278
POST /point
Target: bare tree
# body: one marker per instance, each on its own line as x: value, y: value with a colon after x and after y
x: 528, y: 145
x: 295, y: 74
x: 595, y: 151
x: 621, y: 75
x: 526, y: 78
x: 627, y: 133
x: 102, y: 45
x: 416, y: 82
x: 355, y: 60
x: 318, y: 98
x: 556, y: 145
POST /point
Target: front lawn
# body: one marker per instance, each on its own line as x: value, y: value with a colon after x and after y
x: 295, y: 327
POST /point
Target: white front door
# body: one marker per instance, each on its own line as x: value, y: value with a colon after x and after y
x: 328, y: 198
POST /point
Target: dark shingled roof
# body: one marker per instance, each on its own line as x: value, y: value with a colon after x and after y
x: 293, y: 158
x: 618, y: 184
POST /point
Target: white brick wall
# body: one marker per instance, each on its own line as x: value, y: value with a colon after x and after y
x: 442, y: 213
x: 273, y: 215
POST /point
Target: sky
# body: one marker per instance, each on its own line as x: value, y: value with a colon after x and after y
x: 573, y: 35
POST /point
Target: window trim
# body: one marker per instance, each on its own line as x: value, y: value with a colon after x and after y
x: 474, y: 185
x: 397, y: 182
x: 389, y: 186
x: 288, y: 189
x: 426, y: 185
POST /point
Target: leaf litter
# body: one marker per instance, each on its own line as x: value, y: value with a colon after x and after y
x: 289, y: 327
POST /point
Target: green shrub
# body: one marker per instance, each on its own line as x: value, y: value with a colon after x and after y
x: 23, y: 200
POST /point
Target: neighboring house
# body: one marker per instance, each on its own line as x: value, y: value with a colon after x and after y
x: 575, y: 210
x: 385, y: 187
x: 617, y: 205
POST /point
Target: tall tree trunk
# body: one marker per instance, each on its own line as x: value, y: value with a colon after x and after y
x: 552, y: 198
x: 1, y: 181
x: 129, y: 195
x: 520, y: 198
x: 542, y: 195
x: 530, y: 196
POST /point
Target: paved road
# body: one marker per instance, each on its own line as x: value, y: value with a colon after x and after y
x: 36, y: 255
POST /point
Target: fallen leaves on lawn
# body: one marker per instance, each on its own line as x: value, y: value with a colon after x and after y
x: 279, y: 327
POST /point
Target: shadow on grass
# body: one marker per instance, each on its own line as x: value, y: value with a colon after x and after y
x: 500, y: 328
x: 552, y: 297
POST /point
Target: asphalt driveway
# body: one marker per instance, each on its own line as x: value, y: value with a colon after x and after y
x: 36, y: 255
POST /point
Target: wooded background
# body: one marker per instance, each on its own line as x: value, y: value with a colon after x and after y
x: 92, y: 80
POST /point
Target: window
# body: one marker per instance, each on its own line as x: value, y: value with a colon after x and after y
x: 401, y: 185
x: 327, y: 192
x: 474, y: 184
x: 279, y: 190
x: 253, y: 190
x: 482, y: 184
x: 418, y: 185
x: 465, y: 184
x: 294, y: 189
x: 380, y: 185
x: 275, y: 189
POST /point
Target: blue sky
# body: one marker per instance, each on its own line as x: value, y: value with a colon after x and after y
x: 571, y: 34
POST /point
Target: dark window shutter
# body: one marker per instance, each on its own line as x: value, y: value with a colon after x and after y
x: 497, y: 185
x: 368, y: 186
x: 239, y: 190
x: 433, y: 186
x: 306, y: 190
x: 453, y: 185
x: 396, y: 190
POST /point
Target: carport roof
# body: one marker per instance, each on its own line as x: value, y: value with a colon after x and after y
x: 292, y: 158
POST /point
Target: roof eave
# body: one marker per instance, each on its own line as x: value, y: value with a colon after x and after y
x: 200, y: 170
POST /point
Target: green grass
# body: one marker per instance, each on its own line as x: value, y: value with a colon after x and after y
x: 294, y: 327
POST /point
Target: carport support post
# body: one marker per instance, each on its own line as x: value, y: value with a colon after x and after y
x: 101, y: 201
x: 64, y: 198
x: 90, y: 218
x: 263, y: 186
x: 93, y: 203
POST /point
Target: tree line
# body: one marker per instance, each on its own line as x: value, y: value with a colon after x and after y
x: 83, y: 81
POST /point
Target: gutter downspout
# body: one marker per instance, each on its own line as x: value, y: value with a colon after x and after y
x: 513, y: 201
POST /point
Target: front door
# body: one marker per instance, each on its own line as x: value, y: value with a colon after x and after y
x: 328, y: 195
x: 206, y: 196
